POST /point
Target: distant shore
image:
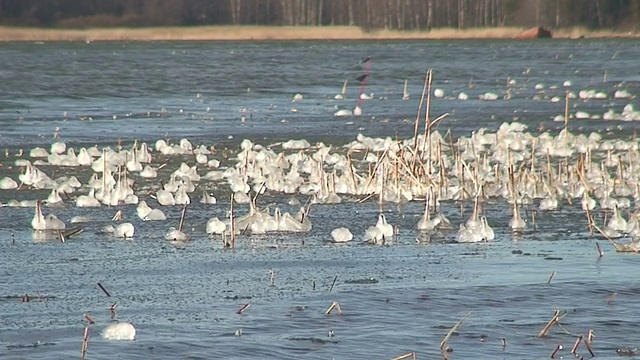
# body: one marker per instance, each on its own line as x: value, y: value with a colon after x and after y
x: 238, y: 33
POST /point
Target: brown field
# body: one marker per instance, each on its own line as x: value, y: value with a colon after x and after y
x: 275, y: 33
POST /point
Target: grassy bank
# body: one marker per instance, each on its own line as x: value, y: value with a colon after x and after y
x: 274, y: 33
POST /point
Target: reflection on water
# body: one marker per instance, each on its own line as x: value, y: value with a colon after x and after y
x: 183, y: 298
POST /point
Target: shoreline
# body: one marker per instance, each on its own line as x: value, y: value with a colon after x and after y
x: 281, y: 33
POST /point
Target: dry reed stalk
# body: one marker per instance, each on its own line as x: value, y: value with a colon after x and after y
x: 104, y: 290
x: 416, y: 174
x: 574, y: 349
x: 566, y: 110
x: 373, y: 173
x: 443, y: 343
x: 589, y: 221
x: 182, y: 216
x: 411, y: 355
x: 85, y: 343
x: 61, y: 236
x: 104, y: 170
x: 587, y: 344
x: 333, y: 283
x: 366, y: 198
x: 620, y: 179
x: 568, y: 198
x: 611, y: 298
x: 553, y: 274
x: 406, y: 167
x: 112, y: 310
x: 64, y: 195
x: 554, y: 320
x: 533, y: 219
x: 272, y: 277
x: 600, y: 253
x: 440, y: 118
x: 427, y: 127
x: 243, y: 308
x: 89, y: 318
x: 334, y: 305
x: 232, y: 224
x: 555, y: 351
x: 383, y: 179
x: 405, y: 90
x: 416, y: 126
x: 549, y: 171
x: 619, y: 247
x: 351, y: 170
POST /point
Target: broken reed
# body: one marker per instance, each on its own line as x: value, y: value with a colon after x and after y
x: 600, y: 253
x: 334, y: 305
x: 411, y: 355
x: 554, y: 320
x: 574, y: 349
x: 85, y: 343
x: 89, y: 318
x: 551, y: 276
x: 443, y: 343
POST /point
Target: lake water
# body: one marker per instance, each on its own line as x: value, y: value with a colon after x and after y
x: 397, y: 298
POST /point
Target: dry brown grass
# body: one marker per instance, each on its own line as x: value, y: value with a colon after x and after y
x: 272, y: 33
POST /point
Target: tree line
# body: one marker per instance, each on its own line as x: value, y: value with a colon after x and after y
x: 404, y: 15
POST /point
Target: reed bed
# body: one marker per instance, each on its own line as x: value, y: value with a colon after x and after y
x: 510, y: 165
